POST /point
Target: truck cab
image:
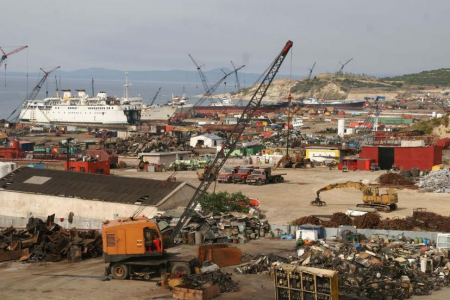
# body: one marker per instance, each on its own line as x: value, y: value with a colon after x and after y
x: 227, y: 175
x: 242, y: 174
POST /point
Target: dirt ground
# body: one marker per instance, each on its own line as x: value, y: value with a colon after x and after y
x: 290, y: 200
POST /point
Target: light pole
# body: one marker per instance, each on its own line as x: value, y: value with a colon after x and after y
x: 67, y: 144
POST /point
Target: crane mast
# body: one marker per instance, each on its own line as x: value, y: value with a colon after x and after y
x: 233, y: 137
x: 311, y: 70
x: 5, y: 55
x: 156, y: 95
x: 238, y: 85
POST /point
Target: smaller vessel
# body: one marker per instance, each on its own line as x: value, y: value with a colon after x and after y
x: 339, y: 104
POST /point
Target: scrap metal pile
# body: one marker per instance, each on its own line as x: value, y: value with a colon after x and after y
x: 49, y: 242
x: 436, y: 181
x: 394, y: 179
x: 224, y: 280
x: 380, y: 269
x: 421, y: 220
x: 148, y: 143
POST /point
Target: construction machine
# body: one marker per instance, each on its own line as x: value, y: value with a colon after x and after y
x: 371, y: 196
x: 135, y: 246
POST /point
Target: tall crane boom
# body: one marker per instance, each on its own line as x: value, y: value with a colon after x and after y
x: 238, y: 85
x: 342, y: 67
x: 212, y: 89
x: 233, y: 137
x: 5, y: 55
x: 156, y: 95
x: 32, y: 95
x: 311, y: 70
x: 205, y: 82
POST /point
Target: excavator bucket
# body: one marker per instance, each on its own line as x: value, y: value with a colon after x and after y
x: 318, y: 202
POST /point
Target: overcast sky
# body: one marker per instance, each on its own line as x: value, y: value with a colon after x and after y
x: 383, y: 37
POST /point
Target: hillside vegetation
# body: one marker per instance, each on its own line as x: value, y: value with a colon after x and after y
x: 440, y: 77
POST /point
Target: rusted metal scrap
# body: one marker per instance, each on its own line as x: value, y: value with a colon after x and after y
x: 47, y: 241
x: 224, y: 280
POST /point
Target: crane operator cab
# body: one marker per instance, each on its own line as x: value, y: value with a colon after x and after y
x: 152, y: 241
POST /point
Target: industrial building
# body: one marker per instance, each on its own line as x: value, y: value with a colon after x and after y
x: 93, y: 198
x: 206, y: 140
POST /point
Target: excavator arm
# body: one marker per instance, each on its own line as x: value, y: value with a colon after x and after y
x: 355, y: 184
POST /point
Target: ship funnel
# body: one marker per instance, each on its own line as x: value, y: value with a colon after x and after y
x: 102, y: 95
x: 81, y: 93
x: 67, y: 94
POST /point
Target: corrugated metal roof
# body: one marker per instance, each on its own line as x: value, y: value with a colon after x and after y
x: 88, y: 186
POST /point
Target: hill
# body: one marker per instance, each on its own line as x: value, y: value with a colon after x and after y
x: 437, y: 78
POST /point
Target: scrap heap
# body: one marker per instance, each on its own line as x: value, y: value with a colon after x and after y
x: 378, y: 268
x: 224, y: 280
x: 49, y: 242
x: 394, y: 179
x: 421, y: 220
x: 436, y: 181
x: 148, y: 143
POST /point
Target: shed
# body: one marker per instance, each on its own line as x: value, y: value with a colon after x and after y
x: 159, y: 158
x: 35, y: 192
x: 206, y: 140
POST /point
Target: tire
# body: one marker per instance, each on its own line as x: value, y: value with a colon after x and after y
x: 230, y: 180
x: 180, y: 268
x: 258, y: 182
x: 147, y: 277
x: 282, y: 179
x: 235, y: 181
x: 244, y: 181
x: 120, y: 271
x: 219, y: 181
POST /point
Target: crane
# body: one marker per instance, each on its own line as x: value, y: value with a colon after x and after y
x: 238, y: 85
x: 311, y: 70
x: 6, y: 55
x: 212, y: 89
x: 205, y: 82
x: 35, y: 91
x: 230, y: 144
x: 342, y: 67
x: 148, y: 253
x: 156, y: 95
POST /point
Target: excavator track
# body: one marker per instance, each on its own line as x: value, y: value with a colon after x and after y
x: 378, y: 207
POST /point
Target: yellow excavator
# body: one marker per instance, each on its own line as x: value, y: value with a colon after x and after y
x: 371, y: 196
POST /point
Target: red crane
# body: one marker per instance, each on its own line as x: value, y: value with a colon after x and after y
x: 5, y: 56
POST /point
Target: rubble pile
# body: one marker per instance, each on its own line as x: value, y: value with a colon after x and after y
x: 382, y: 268
x: 49, y: 242
x: 221, y: 228
x: 436, y: 181
x: 370, y: 220
x: 394, y: 179
x: 421, y: 220
x: 224, y: 280
x: 148, y: 143
x: 261, y: 263
x: 308, y: 220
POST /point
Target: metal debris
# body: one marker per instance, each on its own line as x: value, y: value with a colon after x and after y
x: 47, y: 241
x: 436, y: 181
x: 224, y: 280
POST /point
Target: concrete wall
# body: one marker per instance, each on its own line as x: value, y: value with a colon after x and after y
x: 23, y: 205
x: 79, y: 223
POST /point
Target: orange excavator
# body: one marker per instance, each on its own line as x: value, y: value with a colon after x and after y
x: 135, y: 246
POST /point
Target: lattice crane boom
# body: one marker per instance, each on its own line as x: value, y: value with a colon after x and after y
x: 233, y: 138
x: 311, y: 70
x: 205, y: 82
x: 156, y: 95
x: 34, y: 92
x: 238, y: 85
x: 5, y: 55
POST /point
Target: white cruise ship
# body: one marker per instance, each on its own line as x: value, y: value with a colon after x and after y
x: 82, y: 109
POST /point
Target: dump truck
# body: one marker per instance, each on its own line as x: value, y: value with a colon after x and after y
x: 226, y: 175
x: 264, y: 176
x: 135, y: 246
x: 371, y: 196
x: 242, y: 174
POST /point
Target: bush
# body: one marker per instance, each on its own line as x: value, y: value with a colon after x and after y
x: 225, y: 202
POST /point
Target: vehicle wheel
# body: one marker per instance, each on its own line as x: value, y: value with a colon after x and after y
x: 180, y: 268
x: 230, y: 180
x: 393, y: 206
x: 219, y: 181
x: 147, y: 276
x: 244, y: 181
x: 235, y: 181
x: 119, y: 271
x: 282, y: 179
x: 258, y: 182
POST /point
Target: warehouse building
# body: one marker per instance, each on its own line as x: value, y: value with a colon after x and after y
x: 91, y: 198
x: 206, y: 140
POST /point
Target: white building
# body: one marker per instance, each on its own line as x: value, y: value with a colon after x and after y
x: 206, y: 141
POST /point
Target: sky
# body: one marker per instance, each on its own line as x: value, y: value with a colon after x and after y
x: 383, y: 37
